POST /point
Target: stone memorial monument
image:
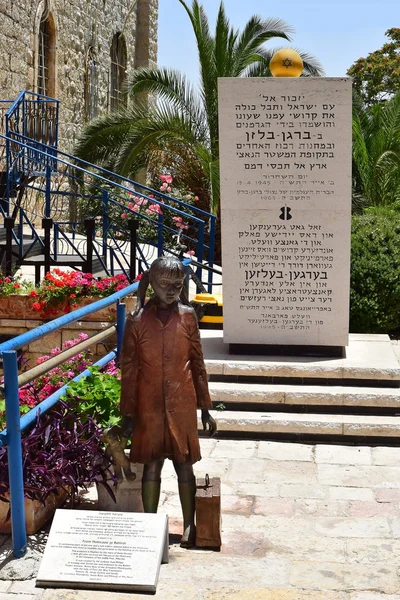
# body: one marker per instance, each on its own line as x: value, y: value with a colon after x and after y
x: 104, y: 550
x: 285, y: 160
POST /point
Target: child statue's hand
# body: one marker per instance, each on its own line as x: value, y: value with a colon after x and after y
x: 207, y: 419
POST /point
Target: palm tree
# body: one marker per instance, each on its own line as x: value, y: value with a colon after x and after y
x: 179, y: 132
x: 376, y: 154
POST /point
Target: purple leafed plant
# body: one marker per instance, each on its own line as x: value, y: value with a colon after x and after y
x: 60, y: 451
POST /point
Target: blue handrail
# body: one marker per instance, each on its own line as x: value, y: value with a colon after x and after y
x: 11, y: 436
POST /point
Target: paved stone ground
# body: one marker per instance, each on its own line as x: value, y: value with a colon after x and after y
x: 300, y: 522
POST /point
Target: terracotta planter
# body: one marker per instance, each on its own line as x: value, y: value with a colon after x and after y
x: 36, y: 514
x: 20, y: 306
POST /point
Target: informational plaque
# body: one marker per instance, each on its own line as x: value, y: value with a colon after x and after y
x: 104, y: 550
x: 285, y: 160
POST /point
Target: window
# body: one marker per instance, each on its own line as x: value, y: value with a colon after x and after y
x: 46, y: 54
x: 118, y: 96
x: 91, y: 79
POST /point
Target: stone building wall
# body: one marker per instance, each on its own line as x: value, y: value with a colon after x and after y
x: 78, y: 25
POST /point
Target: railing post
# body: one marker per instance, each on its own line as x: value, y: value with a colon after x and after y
x: 8, y: 224
x: 105, y: 223
x: 20, y: 228
x: 48, y: 192
x: 47, y: 225
x: 187, y: 280
x: 8, y: 165
x: 200, y: 250
x: 14, y: 454
x: 160, y: 235
x: 121, y: 316
x: 133, y: 227
x: 90, y: 227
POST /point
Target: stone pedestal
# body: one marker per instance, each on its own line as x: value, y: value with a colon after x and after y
x: 285, y: 156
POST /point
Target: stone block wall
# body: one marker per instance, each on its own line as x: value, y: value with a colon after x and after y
x: 79, y: 24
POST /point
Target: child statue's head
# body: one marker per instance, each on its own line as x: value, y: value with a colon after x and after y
x: 167, y: 276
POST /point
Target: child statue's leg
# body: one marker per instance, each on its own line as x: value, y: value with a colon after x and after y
x: 187, y: 492
x: 151, y: 484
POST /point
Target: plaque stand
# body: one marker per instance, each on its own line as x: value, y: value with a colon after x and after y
x: 104, y: 551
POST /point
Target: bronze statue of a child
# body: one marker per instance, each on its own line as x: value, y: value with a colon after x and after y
x: 164, y: 381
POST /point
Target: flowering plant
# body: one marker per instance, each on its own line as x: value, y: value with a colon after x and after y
x: 127, y: 203
x: 64, y: 448
x: 60, y: 290
x: 40, y: 388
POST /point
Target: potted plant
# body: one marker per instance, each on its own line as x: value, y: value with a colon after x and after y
x: 62, y: 452
x: 59, y: 293
x: 98, y: 395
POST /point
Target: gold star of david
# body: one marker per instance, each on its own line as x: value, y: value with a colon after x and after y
x: 287, y: 63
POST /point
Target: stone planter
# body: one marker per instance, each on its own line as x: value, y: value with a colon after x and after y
x: 36, y: 513
x: 127, y: 493
x: 20, y: 306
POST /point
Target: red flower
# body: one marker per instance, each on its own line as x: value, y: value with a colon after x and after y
x: 37, y: 305
x: 33, y: 293
x: 16, y: 286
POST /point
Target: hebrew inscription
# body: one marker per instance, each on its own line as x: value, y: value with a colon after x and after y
x: 285, y: 154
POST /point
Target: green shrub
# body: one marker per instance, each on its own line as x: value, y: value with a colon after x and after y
x: 375, y: 271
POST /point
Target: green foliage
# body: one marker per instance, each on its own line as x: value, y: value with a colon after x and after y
x: 96, y: 396
x: 375, y: 271
x: 377, y: 77
x: 179, y: 133
x: 376, y: 154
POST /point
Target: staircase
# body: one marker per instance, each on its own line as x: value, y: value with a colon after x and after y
x: 44, y: 195
x: 355, y: 399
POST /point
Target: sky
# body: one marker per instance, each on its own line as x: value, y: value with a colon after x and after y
x: 336, y: 32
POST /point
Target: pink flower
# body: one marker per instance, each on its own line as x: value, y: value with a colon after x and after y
x: 98, y: 234
x: 188, y: 197
x: 124, y: 216
x: 166, y: 178
x: 190, y: 252
x: 195, y: 198
x: 177, y: 219
x: 154, y: 209
x: 169, y: 190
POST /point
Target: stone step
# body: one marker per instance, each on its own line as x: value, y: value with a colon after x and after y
x: 307, y: 395
x: 367, y: 357
x: 261, y: 423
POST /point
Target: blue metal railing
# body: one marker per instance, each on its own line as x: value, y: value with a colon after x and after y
x: 35, y: 117
x: 112, y: 193
x: 11, y: 436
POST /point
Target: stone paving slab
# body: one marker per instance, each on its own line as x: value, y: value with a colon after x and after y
x: 299, y: 522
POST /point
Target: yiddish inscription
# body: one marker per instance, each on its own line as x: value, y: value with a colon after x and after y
x: 285, y: 153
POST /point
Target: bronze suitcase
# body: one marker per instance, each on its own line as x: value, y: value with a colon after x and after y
x: 208, y: 512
